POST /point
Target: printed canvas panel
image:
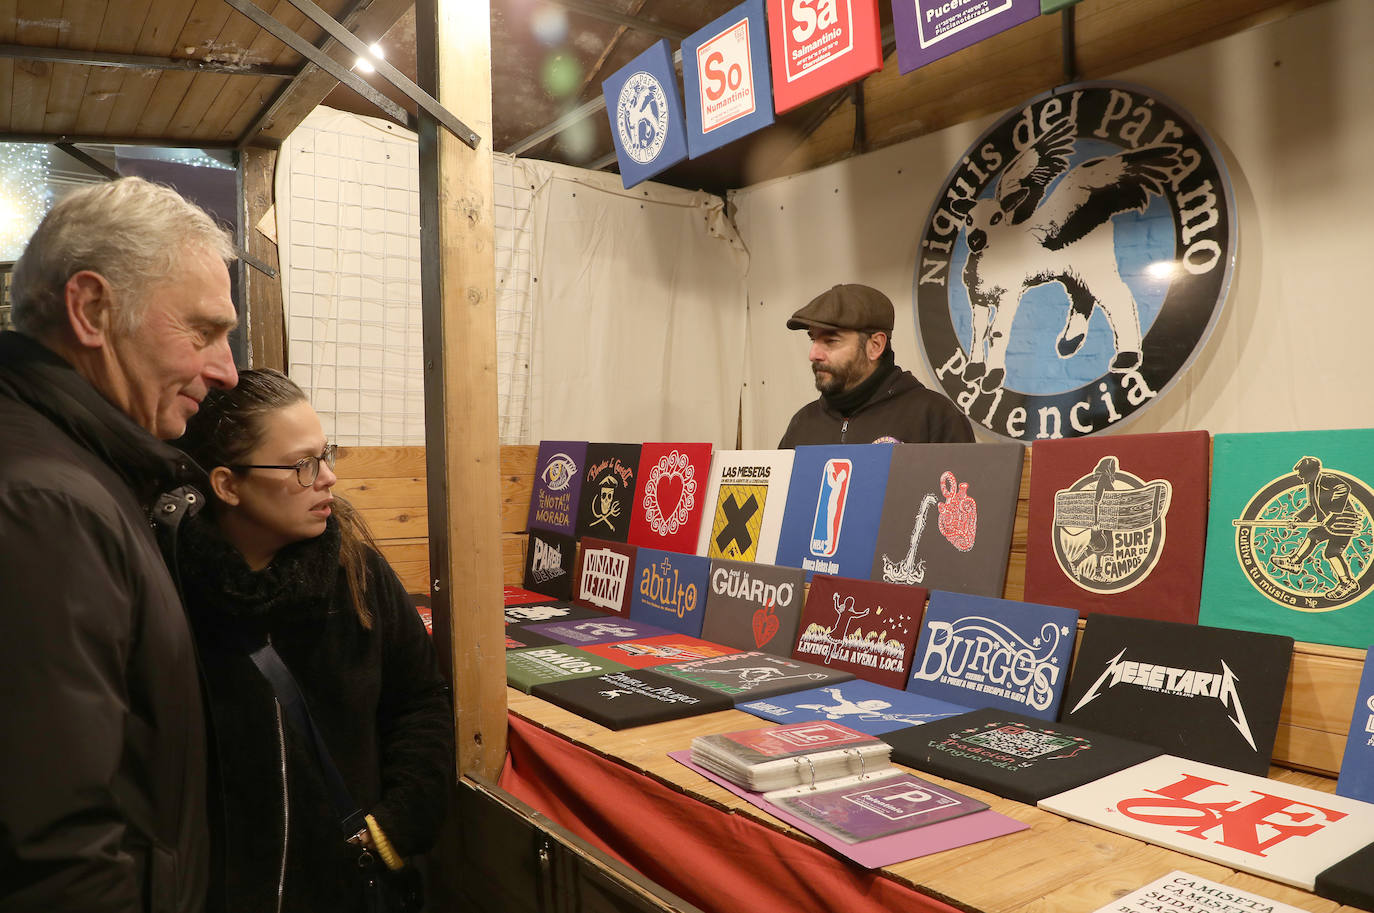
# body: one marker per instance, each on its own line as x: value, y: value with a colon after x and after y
x: 1117, y: 524
x: 1013, y: 755
x: 1185, y: 891
x: 754, y: 606
x: 1350, y: 881
x: 948, y: 516
x: 862, y: 627
x: 557, y: 483
x: 518, y: 639
x: 608, y: 491
x: 819, y: 46
x: 1208, y: 694
x: 1357, y: 764
x: 600, y: 630
x: 527, y: 668
x: 620, y: 700
x: 549, y: 611
x: 1275, y: 830
x: 669, y: 496
x: 549, y: 561
x: 645, y: 110
x: 858, y: 704
x: 834, y: 505
x: 648, y: 652
x: 1291, y: 535
x: 985, y: 652
x: 748, y: 676
x: 514, y: 595
x: 726, y: 86
x: 927, y: 30
x: 745, y: 501
x: 670, y: 590
x: 605, y: 576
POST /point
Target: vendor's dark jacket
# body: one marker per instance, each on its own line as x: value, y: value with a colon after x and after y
x: 900, y: 410
x: 376, y: 696
x: 102, y: 737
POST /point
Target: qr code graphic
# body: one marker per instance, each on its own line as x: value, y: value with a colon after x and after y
x: 1019, y: 741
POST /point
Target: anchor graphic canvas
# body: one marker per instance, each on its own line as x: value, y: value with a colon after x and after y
x: 948, y: 515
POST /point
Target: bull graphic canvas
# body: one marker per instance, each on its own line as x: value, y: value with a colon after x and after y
x: 744, y: 502
x: 986, y: 652
x: 1290, y: 542
x: 1013, y: 755
x: 754, y: 606
x: 549, y: 561
x: 557, y: 484
x: 1275, y: 830
x: 948, y: 516
x: 606, y: 502
x: 1117, y: 524
x: 834, y: 505
x: 861, y: 626
x: 1209, y: 694
x: 669, y: 590
x: 669, y: 496
x: 605, y: 576
x: 858, y: 704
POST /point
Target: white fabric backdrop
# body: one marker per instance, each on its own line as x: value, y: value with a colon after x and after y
x: 1292, y: 107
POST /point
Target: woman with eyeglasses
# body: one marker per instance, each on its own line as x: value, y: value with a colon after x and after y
x: 277, y: 559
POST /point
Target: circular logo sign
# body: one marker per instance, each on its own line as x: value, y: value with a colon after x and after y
x: 1305, y: 539
x: 1074, y: 262
x: 1109, y: 527
x: 641, y: 117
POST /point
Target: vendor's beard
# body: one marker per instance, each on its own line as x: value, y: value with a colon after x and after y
x: 845, y: 378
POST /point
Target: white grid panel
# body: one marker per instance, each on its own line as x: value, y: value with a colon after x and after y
x: 349, y: 240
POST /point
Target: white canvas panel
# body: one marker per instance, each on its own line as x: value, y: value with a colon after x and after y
x: 747, y: 467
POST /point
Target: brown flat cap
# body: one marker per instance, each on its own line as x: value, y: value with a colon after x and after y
x: 846, y: 307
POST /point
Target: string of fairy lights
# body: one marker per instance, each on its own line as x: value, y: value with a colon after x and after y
x: 25, y: 194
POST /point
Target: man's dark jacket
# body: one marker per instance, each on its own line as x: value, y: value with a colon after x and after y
x: 102, y: 741
x: 900, y: 410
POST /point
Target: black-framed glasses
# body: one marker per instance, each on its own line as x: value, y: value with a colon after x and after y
x: 307, y: 468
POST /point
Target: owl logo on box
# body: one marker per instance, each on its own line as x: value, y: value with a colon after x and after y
x: 1305, y: 540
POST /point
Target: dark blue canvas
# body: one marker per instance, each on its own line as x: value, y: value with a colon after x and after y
x: 727, y: 88
x: 834, y: 505
x: 985, y: 652
x: 858, y: 704
x: 669, y: 590
x: 645, y: 109
x: 1357, y: 765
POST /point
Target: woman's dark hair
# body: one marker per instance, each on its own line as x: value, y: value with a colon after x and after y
x: 232, y: 423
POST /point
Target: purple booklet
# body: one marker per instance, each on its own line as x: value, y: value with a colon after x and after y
x: 857, y: 809
x: 880, y: 851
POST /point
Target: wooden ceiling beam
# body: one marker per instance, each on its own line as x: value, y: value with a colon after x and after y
x: 139, y: 61
x: 310, y: 86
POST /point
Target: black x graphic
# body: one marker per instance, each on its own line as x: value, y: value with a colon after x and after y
x: 737, y: 518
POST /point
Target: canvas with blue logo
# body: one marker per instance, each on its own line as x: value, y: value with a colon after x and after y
x: 834, y: 505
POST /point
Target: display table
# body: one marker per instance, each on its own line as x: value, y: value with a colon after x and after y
x: 621, y: 791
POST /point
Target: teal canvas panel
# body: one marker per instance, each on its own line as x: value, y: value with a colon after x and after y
x: 1290, y: 534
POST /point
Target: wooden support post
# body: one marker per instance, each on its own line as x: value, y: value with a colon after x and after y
x: 262, y: 293
x: 453, y: 45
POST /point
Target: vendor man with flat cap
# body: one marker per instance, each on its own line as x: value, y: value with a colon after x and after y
x: 865, y: 398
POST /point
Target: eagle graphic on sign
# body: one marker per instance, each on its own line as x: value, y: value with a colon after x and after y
x: 1029, y: 235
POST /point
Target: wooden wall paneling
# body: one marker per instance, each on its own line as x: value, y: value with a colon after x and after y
x: 381, y: 462
x: 266, y: 311
x: 372, y: 494
x: 517, y: 484
x: 397, y: 522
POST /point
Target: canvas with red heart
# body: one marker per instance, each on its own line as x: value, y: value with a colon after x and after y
x: 670, y: 496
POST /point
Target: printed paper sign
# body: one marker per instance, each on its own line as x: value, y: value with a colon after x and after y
x: 557, y: 483
x: 834, y: 505
x: 668, y: 503
x: 861, y: 626
x: 754, y: 606
x: 948, y: 524
x: 930, y: 29
x: 985, y: 652
x: 819, y: 45
x: 670, y: 590
x: 605, y: 576
x: 744, y: 502
x: 1117, y: 524
x: 1290, y: 541
x: 647, y: 126
x: 1267, y: 828
x: 1184, y: 891
x: 1210, y: 694
x: 858, y: 704
x: 727, y: 87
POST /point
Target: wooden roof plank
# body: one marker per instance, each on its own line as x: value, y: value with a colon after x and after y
x: 66, y: 88
x: 35, y: 24
x: 229, y: 114
x: 164, y: 22
x: 209, y: 107
x: 6, y: 93
x: 9, y: 20
x: 119, y: 31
